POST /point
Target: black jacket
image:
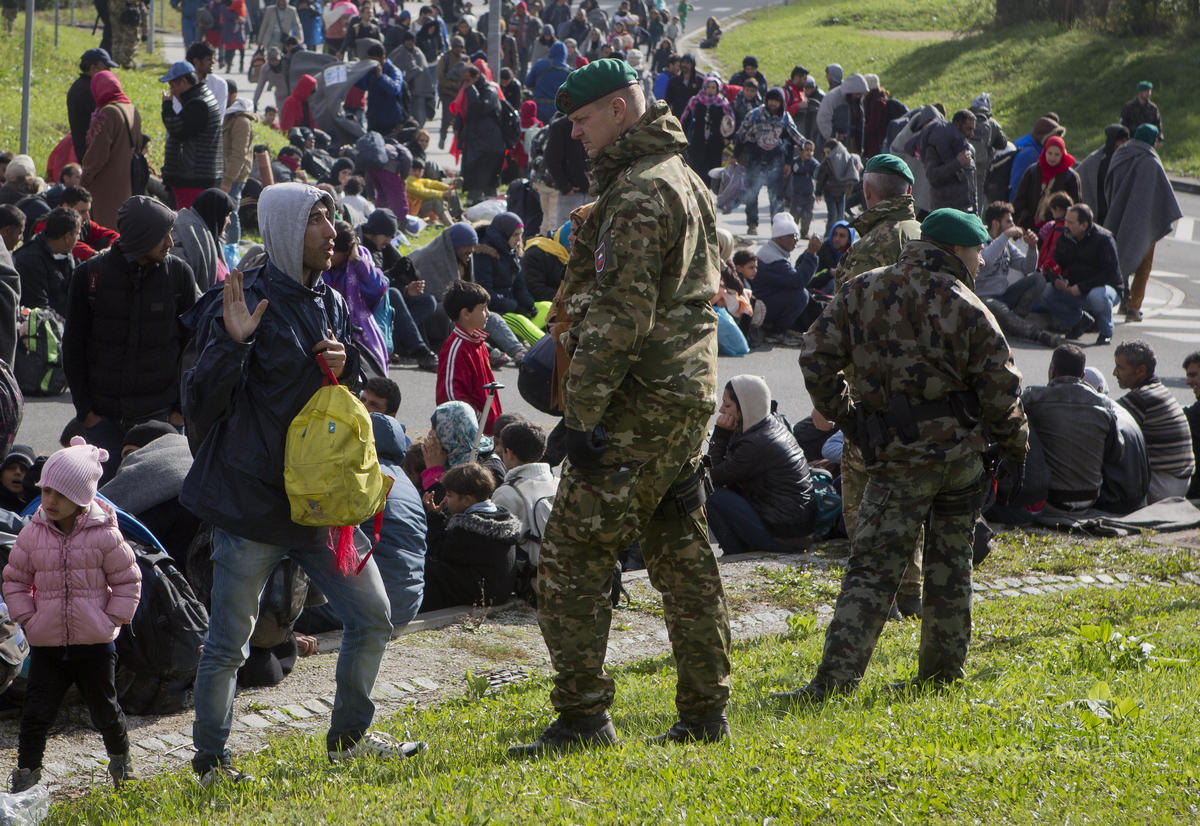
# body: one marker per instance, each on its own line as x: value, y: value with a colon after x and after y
x: 44, y: 280
x: 123, y: 341
x: 481, y: 123
x: 192, y: 156
x: 471, y: 559
x: 499, y: 272
x: 1091, y: 261
x: 766, y: 466
x: 680, y: 91
x: 543, y: 273
x: 80, y: 105
x: 566, y: 160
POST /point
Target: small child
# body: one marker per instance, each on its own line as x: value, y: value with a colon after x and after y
x: 270, y: 118
x: 71, y: 582
x: 835, y: 177
x: 463, y: 364
x: 683, y: 8
x: 673, y: 29
x: 472, y: 542
x: 803, y: 186
x: 529, y: 486
x: 352, y: 196
x: 1049, y: 234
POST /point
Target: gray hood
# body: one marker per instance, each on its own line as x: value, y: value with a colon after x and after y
x: 283, y: 218
x: 834, y: 70
x: 856, y: 84
x: 753, y: 397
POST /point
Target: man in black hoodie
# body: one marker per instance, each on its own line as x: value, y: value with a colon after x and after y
x: 566, y: 164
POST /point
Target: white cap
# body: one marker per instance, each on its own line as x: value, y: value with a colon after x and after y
x: 783, y: 224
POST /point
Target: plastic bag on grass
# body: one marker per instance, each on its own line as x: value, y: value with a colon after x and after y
x: 28, y: 808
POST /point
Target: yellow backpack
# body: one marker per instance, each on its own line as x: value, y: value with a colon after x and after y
x: 330, y: 469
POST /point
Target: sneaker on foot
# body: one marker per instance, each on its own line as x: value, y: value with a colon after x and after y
x: 1133, y: 315
x: 25, y: 779
x: 708, y: 728
x: 120, y: 768
x: 568, y: 734
x: 378, y: 745
x: 759, y: 315
x: 1102, y: 340
x: 224, y: 773
x: 427, y: 360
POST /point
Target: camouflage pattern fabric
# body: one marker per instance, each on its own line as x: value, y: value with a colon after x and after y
x: 893, y: 510
x: 913, y: 329
x: 643, y: 347
x: 125, y: 38
x: 854, y: 482
x: 883, y: 230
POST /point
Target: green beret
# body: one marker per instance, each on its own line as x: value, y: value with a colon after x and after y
x: 1145, y: 86
x: 953, y: 226
x: 589, y: 83
x: 890, y: 165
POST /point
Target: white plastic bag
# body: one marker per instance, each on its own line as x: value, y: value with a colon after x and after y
x: 28, y: 808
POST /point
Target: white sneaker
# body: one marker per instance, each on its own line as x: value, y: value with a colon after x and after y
x: 759, y: 315
x: 379, y: 745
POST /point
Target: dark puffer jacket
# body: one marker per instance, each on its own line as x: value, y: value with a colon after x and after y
x: 123, y: 339
x: 499, y: 272
x: 192, y: 156
x: 472, y: 558
x: 766, y: 466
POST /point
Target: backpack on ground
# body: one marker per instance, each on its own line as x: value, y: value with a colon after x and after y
x: 995, y: 184
x: 371, y: 151
x: 38, y: 363
x: 829, y: 504
x: 510, y: 124
x: 158, y: 651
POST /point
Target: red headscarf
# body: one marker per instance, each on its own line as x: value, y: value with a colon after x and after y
x: 106, y: 89
x: 1067, y: 161
x: 529, y: 118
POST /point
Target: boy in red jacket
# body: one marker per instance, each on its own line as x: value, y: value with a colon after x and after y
x: 463, y: 366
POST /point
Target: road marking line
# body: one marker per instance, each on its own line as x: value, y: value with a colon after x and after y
x: 1178, y: 338
x: 1183, y: 229
x: 1168, y: 274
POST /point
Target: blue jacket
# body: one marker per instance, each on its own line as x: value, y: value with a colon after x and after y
x: 544, y: 78
x: 1027, y: 154
x: 400, y: 553
x: 778, y: 276
x: 240, y: 397
x: 498, y: 271
x: 385, y: 98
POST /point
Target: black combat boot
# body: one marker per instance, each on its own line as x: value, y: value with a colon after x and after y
x: 815, y: 693
x: 909, y: 605
x: 705, y: 728
x: 568, y: 734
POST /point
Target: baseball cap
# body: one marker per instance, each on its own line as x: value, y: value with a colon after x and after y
x: 178, y: 69
x: 97, y: 56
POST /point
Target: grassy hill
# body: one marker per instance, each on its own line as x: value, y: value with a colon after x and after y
x: 1083, y: 75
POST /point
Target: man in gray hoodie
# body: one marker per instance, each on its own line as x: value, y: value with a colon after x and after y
x: 254, y: 373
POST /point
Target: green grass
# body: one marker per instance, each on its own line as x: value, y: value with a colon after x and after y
x: 1015, y: 553
x: 1060, y: 720
x: 53, y: 73
x: 1083, y: 75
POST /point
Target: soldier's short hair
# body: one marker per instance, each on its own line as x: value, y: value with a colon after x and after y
x: 1137, y: 354
x: 463, y: 295
x: 1068, y: 360
x: 60, y: 221
x: 885, y: 184
x: 996, y: 211
x: 526, y: 440
x: 75, y: 195
x: 471, y: 479
x: 1083, y: 213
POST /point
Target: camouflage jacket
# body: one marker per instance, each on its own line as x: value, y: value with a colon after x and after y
x: 883, y: 231
x: 640, y: 279
x: 916, y: 329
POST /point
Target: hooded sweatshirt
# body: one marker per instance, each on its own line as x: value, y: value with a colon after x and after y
x: 295, y: 110
x: 544, y: 78
x: 833, y: 118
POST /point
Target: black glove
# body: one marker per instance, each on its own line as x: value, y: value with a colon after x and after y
x: 1014, y: 474
x: 585, y: 449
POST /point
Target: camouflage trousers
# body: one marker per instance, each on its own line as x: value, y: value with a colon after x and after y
x: 854, y: 480
x: 895, y: 504
x: 125, y: 40
x: 595, y: 516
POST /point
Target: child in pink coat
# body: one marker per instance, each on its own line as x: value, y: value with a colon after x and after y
x: 71, y: 582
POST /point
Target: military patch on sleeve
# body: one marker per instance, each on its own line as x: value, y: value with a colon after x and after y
x: 600, y: 257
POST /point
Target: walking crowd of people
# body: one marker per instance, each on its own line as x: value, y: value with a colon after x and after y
x: 193, y: 310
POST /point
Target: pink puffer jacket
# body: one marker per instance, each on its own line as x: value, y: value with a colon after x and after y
x: 72, y: 590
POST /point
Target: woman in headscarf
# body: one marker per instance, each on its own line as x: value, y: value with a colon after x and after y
x: 450, y: 442
x: 704, y: 123
x: 116, y: 128
x: 1094, y: 169
x: 1052, y: 173
x: 198, y: 232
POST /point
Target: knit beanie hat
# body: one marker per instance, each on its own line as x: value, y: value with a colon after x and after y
x: 381, y: 222
x: 1146, y: 133
x: 143, y: 223
x: 1046, y: 128
x: 75, y: 471
x: 21, y: 166
x: 462, y: 235
x: 506, y: 223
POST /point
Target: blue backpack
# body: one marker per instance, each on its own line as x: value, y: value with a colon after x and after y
x: 829, y: 503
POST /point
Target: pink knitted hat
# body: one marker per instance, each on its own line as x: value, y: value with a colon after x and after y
x: 75, y: 471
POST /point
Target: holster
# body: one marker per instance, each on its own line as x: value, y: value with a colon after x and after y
x: 686, y: 495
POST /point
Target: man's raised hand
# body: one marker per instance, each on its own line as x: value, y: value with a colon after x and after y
x: 240, y: 323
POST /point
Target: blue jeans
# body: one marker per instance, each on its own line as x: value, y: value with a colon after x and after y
x: 188, y: 28
x: 410, y: 312
x: 758, y: 176
x: 234, y: 233
x: 240, y: 571
x: 738, y: 527
x: 835, y: 205
x: 1067, y: 309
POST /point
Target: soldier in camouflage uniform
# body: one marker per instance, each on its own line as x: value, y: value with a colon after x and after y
x: 125, y: 35
x: 931, y: 370
x: 638, y: 394
x: 888, y: 223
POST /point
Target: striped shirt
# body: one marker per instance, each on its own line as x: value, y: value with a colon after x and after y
x: 1165, y: 426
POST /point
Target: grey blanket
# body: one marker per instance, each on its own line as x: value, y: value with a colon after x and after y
x: 1141, y: 203
x: 150, y: 475
x: 1172, y: 514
